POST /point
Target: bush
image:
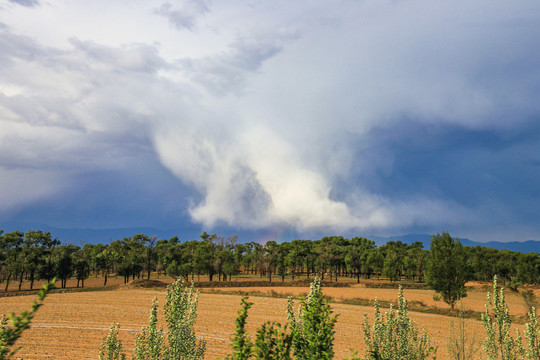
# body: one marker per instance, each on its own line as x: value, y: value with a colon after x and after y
x: 532, y: 334
x: 395, y: 335
x: 311, y: 334
x: 313, y: 329
x: 178, y: 343
x: 499, y: 344
x: 111, y: 348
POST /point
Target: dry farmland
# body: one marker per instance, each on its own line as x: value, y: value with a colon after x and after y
x: 71, y: 325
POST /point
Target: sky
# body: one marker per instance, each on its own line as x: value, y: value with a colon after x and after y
x: 336, y: 117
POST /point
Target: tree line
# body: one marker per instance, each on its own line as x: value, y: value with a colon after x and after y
x: 36, y: 255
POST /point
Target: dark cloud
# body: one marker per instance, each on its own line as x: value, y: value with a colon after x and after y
x: 27, y: 3
x: 390, y: 116
x: 227, y: 72
x: 134, y: 57
x: 184, y: 17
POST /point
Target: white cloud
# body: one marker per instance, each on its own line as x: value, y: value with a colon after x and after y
x: 266, y: 115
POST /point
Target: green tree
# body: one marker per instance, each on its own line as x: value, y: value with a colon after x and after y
x: 393, y: 264
x: 447, y: 268
x: 11, y: 244
x: 64, y: 264
x: 81, y: 267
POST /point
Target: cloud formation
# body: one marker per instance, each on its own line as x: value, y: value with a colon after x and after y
x: 370, y: 116
x: 27, y: 3
x: 184, y: 17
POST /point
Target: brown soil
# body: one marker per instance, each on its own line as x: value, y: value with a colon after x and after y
x: 71, y: 325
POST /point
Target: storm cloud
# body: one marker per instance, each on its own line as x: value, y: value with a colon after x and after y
x: 378, y: 117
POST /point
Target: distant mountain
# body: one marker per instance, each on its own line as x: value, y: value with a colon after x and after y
x: 521, y: 246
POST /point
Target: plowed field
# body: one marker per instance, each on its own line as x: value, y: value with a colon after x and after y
x: 71, y: 325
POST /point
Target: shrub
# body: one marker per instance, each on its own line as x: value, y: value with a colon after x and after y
x: 532, y: 334
x: 111, y: 348
x: 180, y: 316
x: 242, y: 345
x: 395, y: 335
x: 311, y: 334
x: 179, y: 342
x: 313, y: 329
x: 149, y: 341
x: 499, y: 344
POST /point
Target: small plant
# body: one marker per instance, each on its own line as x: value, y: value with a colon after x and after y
x: 111, y: 348
x: 313, y: 329
x: 149, y: 341
x: 532, y: 335
x: 499, y: 344
x: 11, y: 330
x: 462, y: 344
x: 311, y: 334
x: 178, y: 343
x: 242, y: 344
x: 273, y: 342
x: 180, y: 316
x: 395, y: 335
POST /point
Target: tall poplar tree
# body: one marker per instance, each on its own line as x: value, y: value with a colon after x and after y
x: 447, y: 268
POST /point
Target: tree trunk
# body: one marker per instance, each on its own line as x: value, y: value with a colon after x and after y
x: 7, y: 282
x: 21, y: 280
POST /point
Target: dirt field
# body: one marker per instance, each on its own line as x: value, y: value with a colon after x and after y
x: 475, y: 300
x: 71, y: 325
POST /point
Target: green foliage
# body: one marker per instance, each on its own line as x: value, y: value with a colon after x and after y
x: 313, y: 329
x: 513, y: 284
x: 311, y: 334
x: 242, y: 345
x: 395, y: 335
x: 111, y: 348
x: 532, y: 335
x: 499, y: 344
x: 180, y: 316
x: 272, y: 342
x: 529, y: 297
x: 11, y: 331
x: 447, y: 268
x: 149, y: 341
x: 178, y: 343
